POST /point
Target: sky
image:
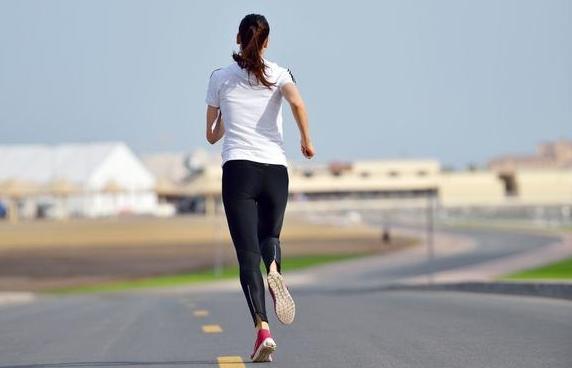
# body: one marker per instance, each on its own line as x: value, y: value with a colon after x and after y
x: 458, y: 81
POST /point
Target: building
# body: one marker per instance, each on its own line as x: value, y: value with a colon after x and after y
x: 371, y: 183
x: 549, y: 155
x: 543, y: 178
x: 103, y: 179
x: 188, y: 181
x: 76, y: 179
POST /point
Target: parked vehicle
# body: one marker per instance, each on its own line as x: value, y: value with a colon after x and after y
x: 3, y: 211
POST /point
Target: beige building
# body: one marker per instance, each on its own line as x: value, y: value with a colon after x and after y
x: 470, y: 188
x: 105, y: 179
x: 376, y: 181
x: 543, y: 178
x: 368, y: 178
x: 549, y: 155
x: 544, y: 187
x: 507, y: 182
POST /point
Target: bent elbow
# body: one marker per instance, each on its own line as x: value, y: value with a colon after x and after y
x: 297, y: 104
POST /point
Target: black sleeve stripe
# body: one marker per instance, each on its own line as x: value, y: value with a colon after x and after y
x: 294, y: 79
x: 214, y: 71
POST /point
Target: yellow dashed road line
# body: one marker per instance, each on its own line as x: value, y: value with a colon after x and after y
x: 201, y: 313
x: 230, y: 362
x: 212, y: 329
x: 223, y: 361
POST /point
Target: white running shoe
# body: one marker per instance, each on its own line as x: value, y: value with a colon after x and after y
x: 283, y: 303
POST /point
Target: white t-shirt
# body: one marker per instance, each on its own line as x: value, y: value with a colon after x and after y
x: 251, y: 112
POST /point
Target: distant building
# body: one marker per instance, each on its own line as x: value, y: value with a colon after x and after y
x: 76, y: 179
x: 550, y: 155
x: 403, y: 181
x: 398, y: 180
x: 179, y: 174
x: 168, y: 166
x: 541, y: 178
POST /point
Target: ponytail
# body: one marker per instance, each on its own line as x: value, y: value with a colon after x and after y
x: 253, y: 31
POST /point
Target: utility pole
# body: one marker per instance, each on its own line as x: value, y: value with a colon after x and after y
x: 218, y: 223
x: 429, y: 237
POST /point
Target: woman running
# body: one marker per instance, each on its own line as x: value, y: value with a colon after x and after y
x: 245, y: 106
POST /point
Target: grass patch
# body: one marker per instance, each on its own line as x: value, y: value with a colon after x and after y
x: 288, y: 264
x: 554, y: 271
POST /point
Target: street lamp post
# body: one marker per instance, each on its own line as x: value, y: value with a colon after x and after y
x: 430, y: 224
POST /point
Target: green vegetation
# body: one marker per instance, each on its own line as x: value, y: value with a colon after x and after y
x: 288, y: 264
x: 558, y: 270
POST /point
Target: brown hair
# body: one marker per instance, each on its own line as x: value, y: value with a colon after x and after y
x: 253, y: 31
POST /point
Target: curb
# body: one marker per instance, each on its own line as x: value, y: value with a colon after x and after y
x: 16, y: 297
x: 554, y: 290
x: 539, y: 289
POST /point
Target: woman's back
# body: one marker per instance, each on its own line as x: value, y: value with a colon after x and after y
x: 252, y: 112
x: 245, y: 107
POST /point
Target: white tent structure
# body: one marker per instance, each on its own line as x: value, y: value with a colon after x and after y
x: 100, y: 179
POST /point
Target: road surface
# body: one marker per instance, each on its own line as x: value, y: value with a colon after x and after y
x: 334, y: 327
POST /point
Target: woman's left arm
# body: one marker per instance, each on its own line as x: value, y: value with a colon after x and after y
x: 214, y: 119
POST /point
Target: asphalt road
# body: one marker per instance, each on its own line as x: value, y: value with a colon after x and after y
x: 490, y: 244
x: 334, y: 328
x: 393, y: 268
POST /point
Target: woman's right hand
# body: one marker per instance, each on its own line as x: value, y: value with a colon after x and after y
x: 307, y: 148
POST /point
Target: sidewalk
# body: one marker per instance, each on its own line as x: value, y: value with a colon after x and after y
x: 490, y: 271
x: 445, y: 244
x: 475, y: 278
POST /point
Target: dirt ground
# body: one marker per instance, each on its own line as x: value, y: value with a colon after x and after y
x: 40, y: 255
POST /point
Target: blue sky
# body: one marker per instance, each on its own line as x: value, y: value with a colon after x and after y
x: 456, y: 80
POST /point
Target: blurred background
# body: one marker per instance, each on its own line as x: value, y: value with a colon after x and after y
x: 432, y: 229
x: 425, y: 115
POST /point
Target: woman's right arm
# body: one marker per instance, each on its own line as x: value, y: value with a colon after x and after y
x: 292, y: 95
x: 215, y: 124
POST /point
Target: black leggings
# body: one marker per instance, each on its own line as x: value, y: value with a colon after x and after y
x: 254, y: 195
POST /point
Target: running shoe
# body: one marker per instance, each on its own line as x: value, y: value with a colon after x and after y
x: 283, y: 303
x: 263, y: 347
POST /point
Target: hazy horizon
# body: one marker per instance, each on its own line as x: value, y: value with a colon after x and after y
x: 457, y: 81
